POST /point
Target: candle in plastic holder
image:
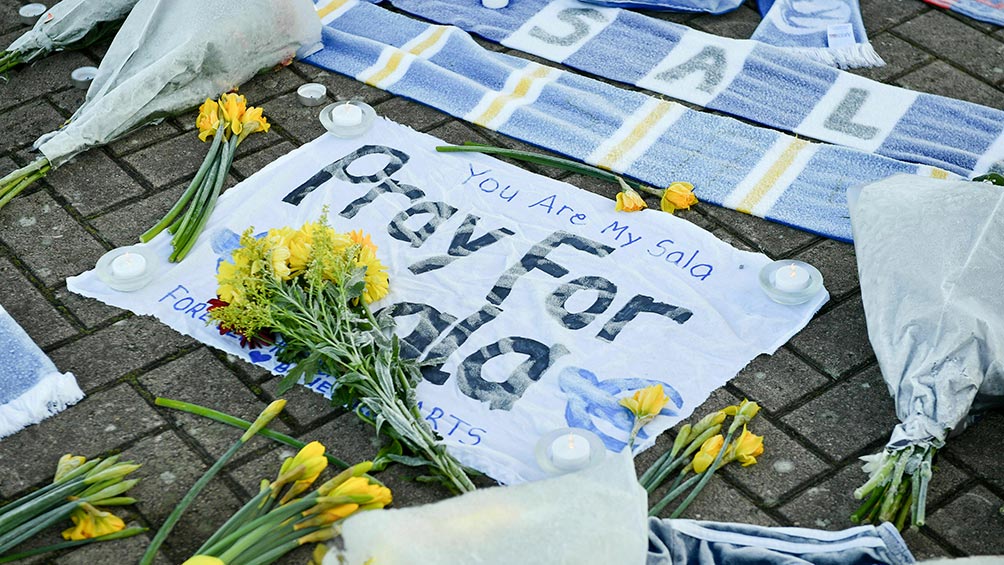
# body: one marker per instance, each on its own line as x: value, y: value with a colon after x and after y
x: 29, y: 13
x: 127, y: 269
x: 347, y: 119
x: 569, y: 449
x: 791, y: 282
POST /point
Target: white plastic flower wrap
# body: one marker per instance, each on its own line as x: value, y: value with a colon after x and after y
x: 931, y: 261
x: 597, y: 516
x: 70, y: 24
x: 169, y: 56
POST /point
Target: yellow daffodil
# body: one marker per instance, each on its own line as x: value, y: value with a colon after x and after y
x: 203, y: 560
x: 255, y: 121
x: 233, y: 107
x: 743, y: 412
x: 646, y: 403
x: 67, y: 464
x: 209, y: 119
x: 706, y: 455
x: 629, y: 200
x: 312, y: 460
x: 377, y: 280
x: 90, y: 522
x: 678, y: 196
x: 360, y: 486
x: 748, y: 447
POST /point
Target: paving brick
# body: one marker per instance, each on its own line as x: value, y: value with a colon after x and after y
x: 9, y: 21
x: 214, y: 505
x: 97, y: 425
x: 783, y: 466
x: 89, y: 311
x: 836, y: 494
x: 299, y: 121
x: 837, y: 263
x: 30, y: 309
x: 199, y: 378
x: 68, y: 99
x: 341, y: 87
x: 129, y: 550
x: 253, y: 163
x: 304, y: 405
x: 941, y: 78
x: 848, y: 417
x: 899, y: 57
x: 773, y: 239
x: 46, y: 238
x: 883, y: 14
x: 972, y: 522
x: 418, y: 116
x: 973, y: 447
x: 121, y: 348
x: 347, y: 438
x: 49, y: 74
x: 956, y: 42
x: 777, y: 380
x: 124, y: 225
x: 923, y: 547
x: 147, y: 135
x: 718, y: 502
x: 92, y: 182
x: 170, y: 161
x: 838, y: 340
x: 738, y: 24
x: 25, y: 123
x: 269, y: 85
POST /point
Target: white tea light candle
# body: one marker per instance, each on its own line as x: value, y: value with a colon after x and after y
x: 81, y: 77
x: 791, y: 282
x: 311, y: 94
x: 30, y: 13
x: 791, y: 278
x: 494, y: 4
x: 129, y: 265
x: 570, y: 452
x: 346, y: 115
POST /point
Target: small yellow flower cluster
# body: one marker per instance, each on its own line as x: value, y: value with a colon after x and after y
x: 232, y: 110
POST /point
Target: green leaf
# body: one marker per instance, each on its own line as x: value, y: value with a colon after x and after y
x: 303, y: 369
x: 383, y: 459
x: 355, y: 284
x: 992, y: 178
x: 408, y: 460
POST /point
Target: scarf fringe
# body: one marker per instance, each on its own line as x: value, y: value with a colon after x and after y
x: 50, y: 395
x: 857, y: 56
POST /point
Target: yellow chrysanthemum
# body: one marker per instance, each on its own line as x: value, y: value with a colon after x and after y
x: 678, y: 196
x: 208, y: 120
x: 709, y: 450
x: 359, y: 237
x: 228, y: 273
x: 748, y: 447
x: 377, y: 280
x: 233, y: 106
x: 629, y: 201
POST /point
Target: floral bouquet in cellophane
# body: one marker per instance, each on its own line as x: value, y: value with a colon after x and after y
x: 313, y: 286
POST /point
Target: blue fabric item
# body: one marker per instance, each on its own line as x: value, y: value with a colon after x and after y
x: 802, y: 26
x: 689, y: 542
x: 31, y: 388
x: 985, y: 12
x: 733, y: 164
x: 773, y: 86
x: 710, y: 6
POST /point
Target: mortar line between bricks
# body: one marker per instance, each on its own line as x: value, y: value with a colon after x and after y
x: 901, y: 21
x: 948, y: 62
x: 48, y: 294
x: 972, y: 472
x: 77, y: 216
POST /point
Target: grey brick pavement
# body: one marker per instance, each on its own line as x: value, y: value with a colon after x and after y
x: 824, y: 401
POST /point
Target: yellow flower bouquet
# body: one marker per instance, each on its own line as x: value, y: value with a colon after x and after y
x: 229, y: 121
x: 312, y: 288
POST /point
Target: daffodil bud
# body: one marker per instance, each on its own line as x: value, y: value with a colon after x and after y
x: 267, y: 415
x: 111, y: 491
x: 681, y: 439
x: 112, y: 473
x: 203, y: 560
x: 67, y: 464
x: 318, y: 536
x: 356, y: 470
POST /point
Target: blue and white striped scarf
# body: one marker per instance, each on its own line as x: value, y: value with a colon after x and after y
x: 752, y: 169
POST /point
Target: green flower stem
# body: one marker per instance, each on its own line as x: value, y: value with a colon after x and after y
x: 17, y: 185
x: 269, y: 556
x: 547, y: 160
x: 877, y: 479
x: 25, y: 531
x: 168, y: 218
x: 866, y: 507
x: 235, y: 521
x: 694, y: 446
x: 271, y: 520
x: 241, y: 424
x: 674, y: 493
x: 904, y: 511
x: 126, y: 533
x: 190, y: 217
x: 886, y: 513
x: 707, y: 474
x: 266, y: 416
x: 9, y: 60
x: 205, y: 209
x: 30, y: 510
x: 920, y: 498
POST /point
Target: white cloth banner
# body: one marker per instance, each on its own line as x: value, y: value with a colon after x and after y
x: 547, y: 305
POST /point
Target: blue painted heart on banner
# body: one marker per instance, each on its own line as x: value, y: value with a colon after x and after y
x: 258, y: 356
